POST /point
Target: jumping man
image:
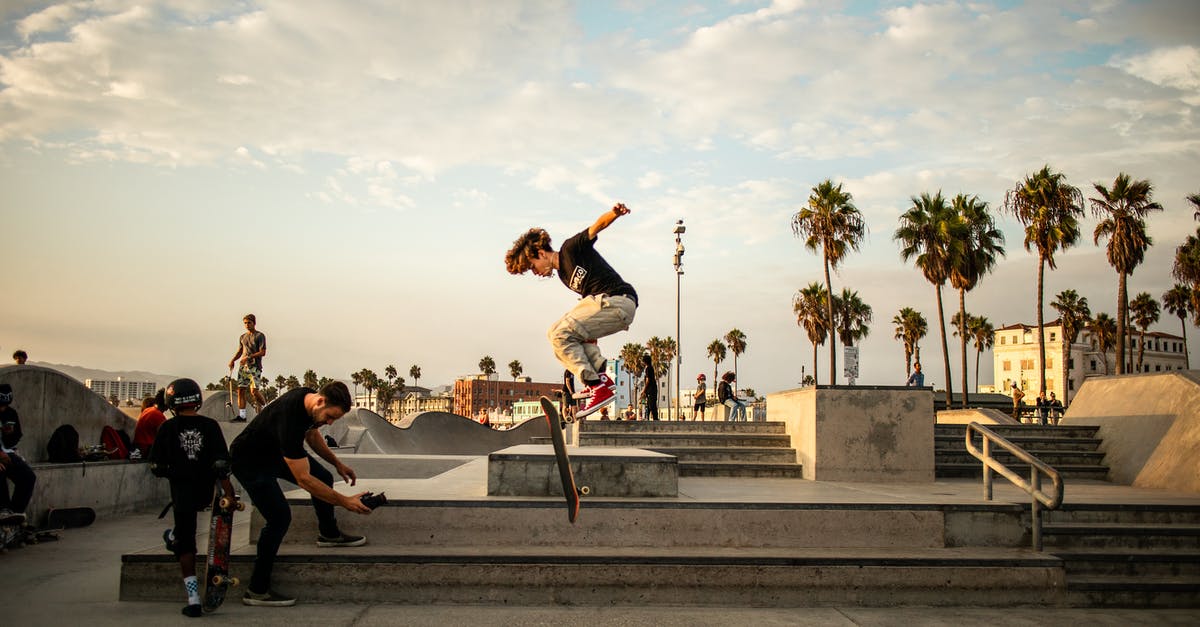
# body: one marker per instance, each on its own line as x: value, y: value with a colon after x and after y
x: 607, y: 303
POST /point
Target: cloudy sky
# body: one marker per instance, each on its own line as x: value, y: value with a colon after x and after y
x: 354, y: 172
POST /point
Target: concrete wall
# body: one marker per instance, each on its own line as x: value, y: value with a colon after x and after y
x: 1150, y: 424
x: 114, y: 487
x: 46, y: 398
x: 430, y: 433
x: 983, y: 416
x: 859, y: 433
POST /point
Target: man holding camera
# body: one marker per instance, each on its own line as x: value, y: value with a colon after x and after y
x: 271, y: 448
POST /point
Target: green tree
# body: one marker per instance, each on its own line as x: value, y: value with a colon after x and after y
x: 832, y: 224
x: 515, y: 369
x: 1145, y: 311
x: 487, y: 365
x: 982, y: 245
x: 1073, y: 314
x: 1049, y: 209
x: 390, y: 372
x: 904, y: 332
x: 292, y: 382
x: 1177, y: 301
x: 310, y: 379
x: 736, y: 341
x: 280, y: 382
x: 716, y: 352
x: 983, y: 334
x: 1104, y: 331
x: 357, y: 380
x: 1124, y: 209
x: 810, y: 308
x: 631, y: 357
x: 930, y: 234
x: 415, y: 373
x: 1187, y: 267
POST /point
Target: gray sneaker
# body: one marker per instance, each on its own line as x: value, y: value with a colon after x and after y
x: 269, y: 599
x: 9, y: 517
x: 344, y: 539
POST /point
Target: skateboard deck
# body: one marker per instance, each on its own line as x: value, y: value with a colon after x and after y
x: 570, y: 491
x: 70, y: 517
x: 220, y: 533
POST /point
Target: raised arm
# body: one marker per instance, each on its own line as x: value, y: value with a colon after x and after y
x: 607, y: 218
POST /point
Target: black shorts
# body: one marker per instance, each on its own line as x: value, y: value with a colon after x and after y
x: 190, y: 499
x: 699, y: 405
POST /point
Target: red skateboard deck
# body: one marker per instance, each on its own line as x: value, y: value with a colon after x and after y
x: 570, y: 491
x: 220, y: 534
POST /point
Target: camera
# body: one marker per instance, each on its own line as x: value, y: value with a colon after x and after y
x: 373, y: 500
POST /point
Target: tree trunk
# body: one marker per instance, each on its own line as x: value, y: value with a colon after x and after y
x: 1066, y: 366
x: 1183, y: 331
x: 1141, y: 348
x: 814, y: 364
x: 907, y: 362
x: 978, y: 352
x: 1122, y: 311
x: 945, y: 348
x: 832, y: 335
x: 962, y: 340
x: 1041, y: 365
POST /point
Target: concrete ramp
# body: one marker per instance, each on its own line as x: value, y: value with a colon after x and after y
x: 46, y: 398
x: 438, y: 433
x: 982, y: 415
x: 1150, y: 424
x: 220, y: 406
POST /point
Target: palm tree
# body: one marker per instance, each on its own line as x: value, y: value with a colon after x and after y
x: 853, y: 317
x: 1049, y: 209
x: 357, y: 380
x: 1073, y: 314
x: 390, y: 373
x: 310, y: 379
x: 631, y: 357
x: 981, y: 247
x: 1177, y: 301
x: 1194, y: 201
x: 716, y: 352
x: 1145, y: 313
x: 515, y: 369
x: 415, y: 373
x: 1124, y: 209
x: 1187, y: 267
x: 832, y: 224
x: 907, y: 321
x: 931, y: 234
x: 810, y: 309
x: 736, y: 341
x: 1104, y: 330
x: 983, y: 333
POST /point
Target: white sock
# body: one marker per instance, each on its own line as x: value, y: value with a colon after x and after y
x: 242, y: 413
x: 192, y: 586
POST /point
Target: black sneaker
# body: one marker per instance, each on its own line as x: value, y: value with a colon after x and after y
x: 193, y: 611
x: 343, y: 539
x: 167, y: 541
x: 269, y: 599
x: 8, y: 517
x: 238, y: 419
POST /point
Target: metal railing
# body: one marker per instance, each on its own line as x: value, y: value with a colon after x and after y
x: 1033, y: 487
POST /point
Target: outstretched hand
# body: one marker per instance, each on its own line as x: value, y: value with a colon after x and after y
x: 620, y: 209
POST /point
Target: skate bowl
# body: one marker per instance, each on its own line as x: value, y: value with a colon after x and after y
x: 1150, y: 424
x: 45, y: 398
x: 433, y: 433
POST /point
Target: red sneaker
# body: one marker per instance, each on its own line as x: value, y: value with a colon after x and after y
x: 599, y: 395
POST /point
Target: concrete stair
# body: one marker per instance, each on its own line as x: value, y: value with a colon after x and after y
x: 1073, y: 451
x: 705, y: 449
x: 1127, y: 556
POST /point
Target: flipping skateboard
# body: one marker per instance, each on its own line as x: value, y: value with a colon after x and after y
x: 220, y: 533
x: 570, y: 492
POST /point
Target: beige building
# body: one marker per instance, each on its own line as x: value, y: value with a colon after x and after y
x: 1015, y: 359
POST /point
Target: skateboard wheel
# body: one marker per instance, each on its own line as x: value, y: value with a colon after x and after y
x: 217, y: 579
x: 585, y: 490
x: 234, y: 581
x: 241, y: 507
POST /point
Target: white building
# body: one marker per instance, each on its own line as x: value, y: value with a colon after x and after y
x: 122, y: 389
x: 1015, y: 358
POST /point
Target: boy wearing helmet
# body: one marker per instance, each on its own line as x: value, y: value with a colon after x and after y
x: 190, y: 452
x: 607, y: 304
x: 700, y: 397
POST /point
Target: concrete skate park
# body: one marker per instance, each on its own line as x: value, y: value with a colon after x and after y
x: 845, y: 497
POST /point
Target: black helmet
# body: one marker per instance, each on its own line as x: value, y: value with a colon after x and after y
x: 183, y: 394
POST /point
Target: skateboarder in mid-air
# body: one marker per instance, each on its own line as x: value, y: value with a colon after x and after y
x: 190, y: 452
x: 607, y: 303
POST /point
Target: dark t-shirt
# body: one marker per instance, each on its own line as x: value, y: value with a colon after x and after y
x: 586, y: 273
x: 252, y: 344
x: 186, y: 447
x: 650, y: 388
x: 277, y: 432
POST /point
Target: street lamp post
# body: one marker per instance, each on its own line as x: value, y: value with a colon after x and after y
x: 679, y: 230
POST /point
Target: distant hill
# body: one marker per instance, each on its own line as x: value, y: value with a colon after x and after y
x: 82, y: 374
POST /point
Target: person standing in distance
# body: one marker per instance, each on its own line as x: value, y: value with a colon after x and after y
x: 271, y: 448
x: 252, y: 347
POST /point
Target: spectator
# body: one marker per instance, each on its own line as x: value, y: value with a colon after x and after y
x: 1056, y: 408
x: 727, y: 395
x: 19, y: 357
x: 1042, y: 408
x: 12, y: 467
x: 917, y: 378
x: 700, y: 399
x: 148, y: 423
x: 649, y: 391
x: 1017, y: 395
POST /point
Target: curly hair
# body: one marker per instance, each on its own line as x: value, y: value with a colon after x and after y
x: 525, y: 249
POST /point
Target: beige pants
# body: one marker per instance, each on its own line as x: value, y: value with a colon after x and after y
x: 592, y: 318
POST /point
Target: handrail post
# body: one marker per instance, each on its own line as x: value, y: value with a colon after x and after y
x: 1035, y: 480
x: 987, y: 469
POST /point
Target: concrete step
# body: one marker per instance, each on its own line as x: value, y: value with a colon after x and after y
x: 681, y: 426
x: 729, y: 454
x: 1029, y: 443
x: 790, y: 470
x: 975, y: 469
x: 1053, y: 458
x: 657, y: 440
x: 1130, y: 563
x: 648, y: 575
x: 1157, y: 536
x: 1141, y: 591
x: 1124, y: 513
x: 531, y: 470
x: 1010, y: 431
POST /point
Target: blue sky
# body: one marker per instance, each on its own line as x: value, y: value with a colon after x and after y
x: 353, y: 173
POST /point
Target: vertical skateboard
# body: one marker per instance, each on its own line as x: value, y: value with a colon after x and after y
x: 220, y: 533
x: 570, y: 492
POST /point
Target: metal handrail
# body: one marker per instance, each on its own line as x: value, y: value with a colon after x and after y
x: 1033, y: 487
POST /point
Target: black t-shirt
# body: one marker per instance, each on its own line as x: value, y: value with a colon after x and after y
x: 650, y: 388
x: 586, y: 273
x: 10, y: 427
x: 277, y: 432
x: 186, y: 448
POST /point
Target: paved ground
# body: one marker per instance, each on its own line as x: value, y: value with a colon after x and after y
x: 75, y: 581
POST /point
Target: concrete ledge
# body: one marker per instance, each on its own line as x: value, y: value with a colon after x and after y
x: 531, y: 470
x: 112, y: 487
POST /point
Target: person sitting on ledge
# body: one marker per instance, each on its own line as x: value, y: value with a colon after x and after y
x: 12, y: 467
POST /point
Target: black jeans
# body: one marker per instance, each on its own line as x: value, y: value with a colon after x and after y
x: 23, y: 478
x: 262, y: 486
